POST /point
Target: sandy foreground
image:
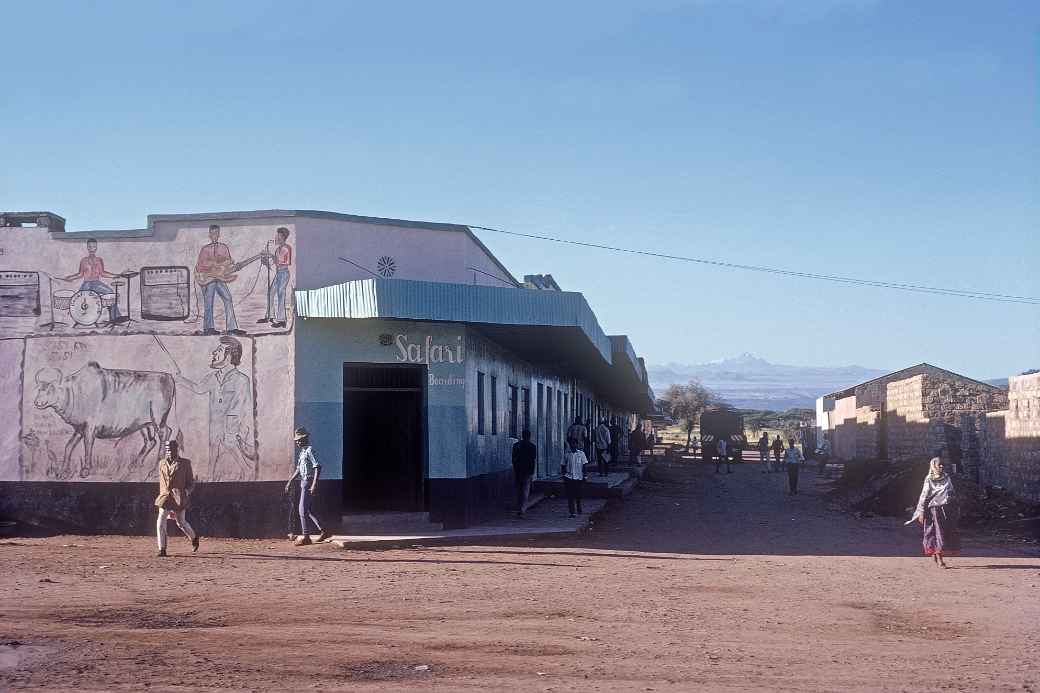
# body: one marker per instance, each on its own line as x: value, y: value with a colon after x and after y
x: 697, y: 581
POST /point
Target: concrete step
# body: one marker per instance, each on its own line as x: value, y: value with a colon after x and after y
x: 534, y: 499
x: 610, y: 486
x: 389, y: 523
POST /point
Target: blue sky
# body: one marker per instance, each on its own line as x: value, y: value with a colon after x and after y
x: 887, y: 140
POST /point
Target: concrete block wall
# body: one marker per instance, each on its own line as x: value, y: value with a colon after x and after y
x: 868, y: 433
x: 906, y: 421
x: 1022, y: 437
x: 843, y: 437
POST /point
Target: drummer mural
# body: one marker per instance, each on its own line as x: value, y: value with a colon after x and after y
x: 120, y: 343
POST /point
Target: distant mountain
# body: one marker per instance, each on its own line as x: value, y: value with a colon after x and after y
x: 750, y: 382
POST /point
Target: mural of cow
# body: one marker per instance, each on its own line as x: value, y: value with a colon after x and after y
x: 106, y: 404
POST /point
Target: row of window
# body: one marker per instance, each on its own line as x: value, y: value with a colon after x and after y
x: 557, y: 414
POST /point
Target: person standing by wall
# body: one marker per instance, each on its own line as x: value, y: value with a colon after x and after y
x: 636, y: 442
x: 602, y: 447
x: 308, y: 471
x: 573, y: 472
x: 176, y: 482
x: 778, y: 450
x: 615, y: 441
x: 793, y: 461
x: 722, y: 454
x: 525, y: 454
x: 577, y: 434
x: 937, y: 511
x: 763, y: 453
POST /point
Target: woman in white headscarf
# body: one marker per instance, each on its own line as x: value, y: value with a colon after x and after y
x: 937, y: 512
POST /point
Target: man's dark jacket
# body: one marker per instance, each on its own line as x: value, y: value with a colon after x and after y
x: 524, y: 453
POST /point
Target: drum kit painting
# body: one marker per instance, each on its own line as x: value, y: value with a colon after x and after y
x: 85, y: 307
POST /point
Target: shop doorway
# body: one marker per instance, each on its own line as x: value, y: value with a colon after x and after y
x: 384, y: 437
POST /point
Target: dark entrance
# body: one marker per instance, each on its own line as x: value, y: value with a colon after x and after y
x: 384, y: 437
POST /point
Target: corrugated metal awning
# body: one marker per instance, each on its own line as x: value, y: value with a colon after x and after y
x: 405, y: 299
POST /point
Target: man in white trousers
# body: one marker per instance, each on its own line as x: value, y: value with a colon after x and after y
x: 176, y: 483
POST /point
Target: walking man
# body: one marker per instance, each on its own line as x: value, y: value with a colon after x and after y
x: 792, y: 460
x: 602, y: 447
x: 722, y: 455
x: 525, y: 454
x: 176, y: 483
x: 307, y: 471
x: 573, y: 472
x: 763, y: 453
x: 778, y: 450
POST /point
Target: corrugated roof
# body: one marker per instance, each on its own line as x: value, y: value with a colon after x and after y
x: 464, y: 303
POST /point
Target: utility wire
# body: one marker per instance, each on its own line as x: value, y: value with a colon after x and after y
x: 980, y: 295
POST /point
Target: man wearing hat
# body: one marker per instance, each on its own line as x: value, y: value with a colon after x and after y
x: 176, y: 483
x: 307, y: 471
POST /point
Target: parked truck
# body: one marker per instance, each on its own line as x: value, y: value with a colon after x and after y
x: 727, y: 424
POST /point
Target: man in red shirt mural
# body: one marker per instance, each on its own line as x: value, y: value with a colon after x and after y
x: 91, y: 272
x: 282, y: 259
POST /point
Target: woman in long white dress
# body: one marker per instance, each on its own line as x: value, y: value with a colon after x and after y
x: 938, y: 514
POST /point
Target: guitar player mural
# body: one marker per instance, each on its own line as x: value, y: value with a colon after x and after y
x: 214, y: 270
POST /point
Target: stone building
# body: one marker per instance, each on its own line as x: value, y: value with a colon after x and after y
x: 1002, y: 448
x: 906, y: 414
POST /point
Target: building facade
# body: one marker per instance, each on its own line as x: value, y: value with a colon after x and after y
x: 411, y: 353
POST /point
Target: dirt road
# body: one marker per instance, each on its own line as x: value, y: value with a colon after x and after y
x: 697, y: 582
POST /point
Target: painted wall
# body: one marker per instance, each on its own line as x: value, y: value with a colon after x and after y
x: 324, y: 345
x: 391, y: 251
x: 103, y: 355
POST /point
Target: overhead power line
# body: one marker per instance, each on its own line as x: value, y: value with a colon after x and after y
x: 854, y: 281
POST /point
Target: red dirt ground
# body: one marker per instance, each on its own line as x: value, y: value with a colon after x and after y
x: 697, y: 582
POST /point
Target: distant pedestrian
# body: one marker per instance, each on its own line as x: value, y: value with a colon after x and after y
x: 722, y: 452
x: 778, y: 450
x: 525, y: 454
x: 763, y: 453
x: 938, y: 512
x: 577, y: 433
x: 793, y: 461
x: 573, y: 472
x: 308, y: 471
x: 602, y: 448
x: 176, y: 482
x: 636, y: 441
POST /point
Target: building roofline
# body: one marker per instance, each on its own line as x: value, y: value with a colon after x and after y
x: 888, y: 376
x: 154, y: 219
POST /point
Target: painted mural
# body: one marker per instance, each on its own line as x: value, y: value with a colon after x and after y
x: 110, y: 347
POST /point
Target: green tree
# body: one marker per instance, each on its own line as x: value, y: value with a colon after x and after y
x: 685, y: 403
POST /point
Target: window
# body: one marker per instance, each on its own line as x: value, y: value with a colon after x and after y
x: 560, y: 399
x: 512, y: 411
x: 480, y: 403
x: 525, y: 407
x: 548, y: 421
x: 494, y: 406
